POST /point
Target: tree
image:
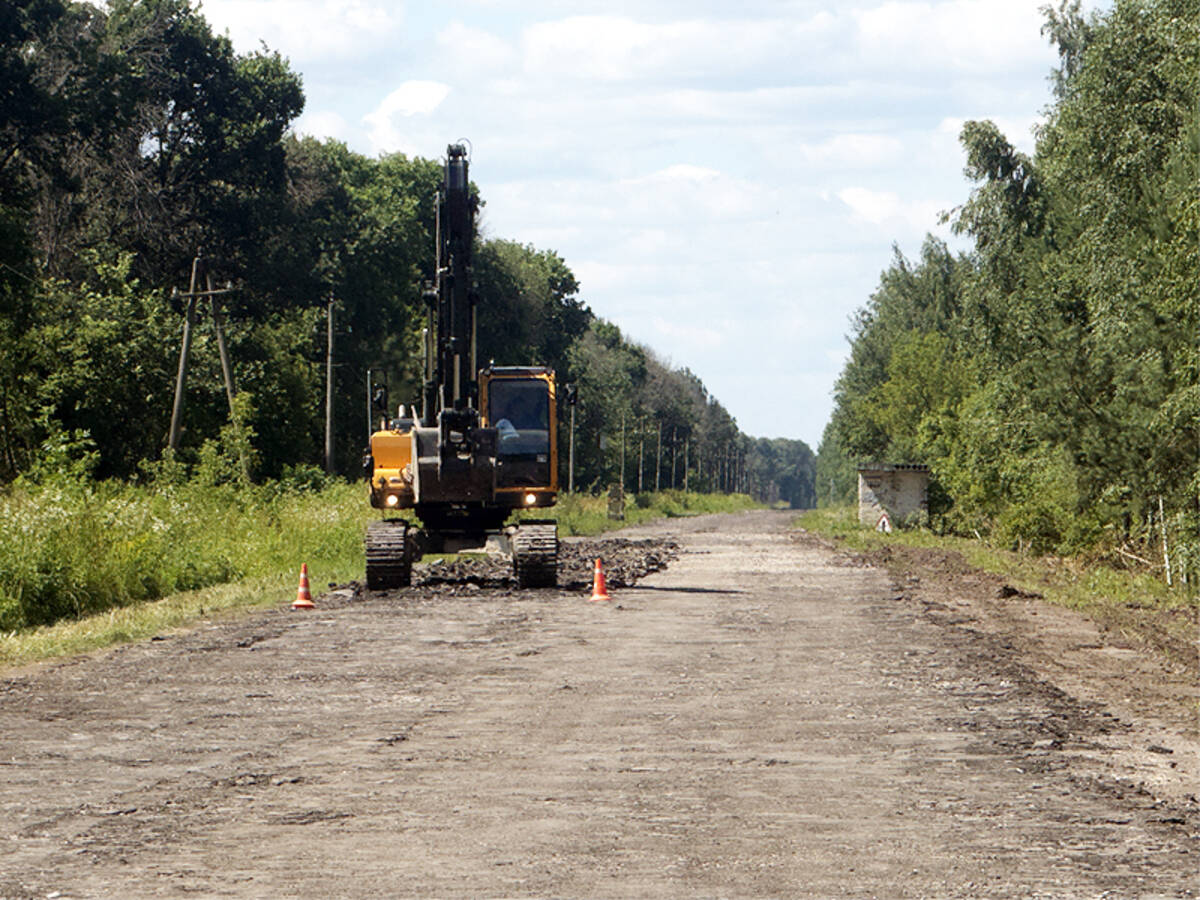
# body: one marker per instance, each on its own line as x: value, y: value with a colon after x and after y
x: 1056, y: 398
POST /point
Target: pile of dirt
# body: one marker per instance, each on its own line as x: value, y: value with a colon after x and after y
x: 625, y: 561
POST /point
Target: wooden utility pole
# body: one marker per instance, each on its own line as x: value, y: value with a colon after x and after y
x: 674, y: 454
x: 1162, y: 524
x: 329, y: 387
x: 641, y: 427
x: 622, y: 452
x: 658, y: 460
x: 185, y: 346
x: 218, y: 328
x: 571, y: 454
x: 185, y: 349
x: 686, y: 441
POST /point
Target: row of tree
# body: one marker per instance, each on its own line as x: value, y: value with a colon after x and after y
x: 1051, y: 376
x: 659, y: 427
x: 132, y: 139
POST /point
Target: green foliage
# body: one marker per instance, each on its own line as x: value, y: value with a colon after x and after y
x: 230, y: 459
x: 1052, y: 385
x: 836, y: 473
x: 530, y: 312
x: 95, y: 359
x: 64, y: 456
x: 70, y: 547
x: 782, y: 471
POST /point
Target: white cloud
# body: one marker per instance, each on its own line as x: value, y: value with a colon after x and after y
x: 476, y: 50
x: 680, y: 172
x: 322, y: 124
x: 850, y: 151
x: 876, y: 207
x: 412, y: 98
x: 658, y: 212
x: 701, y: 337
x: 914, y: 217
x: 306, y: 30
x: 964, y: 35
x: 618, y: 48
x: 688, y: 195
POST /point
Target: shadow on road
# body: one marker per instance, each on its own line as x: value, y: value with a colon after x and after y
x: 682, y: 590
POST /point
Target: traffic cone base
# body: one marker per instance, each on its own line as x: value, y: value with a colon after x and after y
x: 303, y: 594
x: 599, y: 590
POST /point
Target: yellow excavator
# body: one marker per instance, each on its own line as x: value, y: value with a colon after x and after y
x: 484, y: 444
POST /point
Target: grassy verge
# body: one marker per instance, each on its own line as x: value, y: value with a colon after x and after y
x: 1137, y: 605
x: 76, y: 550
x: 141, y: 620
x: 91, y: 565
x: 581, y: 514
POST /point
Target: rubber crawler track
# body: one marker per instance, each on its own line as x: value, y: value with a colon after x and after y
x: 535, y: 555
x: 389, y: 562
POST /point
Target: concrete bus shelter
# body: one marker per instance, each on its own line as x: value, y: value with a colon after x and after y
x: 892, y: 495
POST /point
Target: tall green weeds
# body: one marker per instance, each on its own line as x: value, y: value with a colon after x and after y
x: 70, y: 547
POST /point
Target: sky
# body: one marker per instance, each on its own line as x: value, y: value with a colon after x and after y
x: 726, y: 181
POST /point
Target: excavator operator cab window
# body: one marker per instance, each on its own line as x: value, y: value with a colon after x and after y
x: 520, y: 411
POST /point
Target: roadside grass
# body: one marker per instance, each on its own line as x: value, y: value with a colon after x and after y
x: 142, y: 620
x: 89, y: 565
x: 76, y: 549
x: 585, y: 515
x: 1137, y: 605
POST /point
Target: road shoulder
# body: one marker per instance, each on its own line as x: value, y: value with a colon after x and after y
x: 1156, y: 702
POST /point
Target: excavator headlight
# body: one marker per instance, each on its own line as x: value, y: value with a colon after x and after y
x: 530, y: 499
x: 392, y: 499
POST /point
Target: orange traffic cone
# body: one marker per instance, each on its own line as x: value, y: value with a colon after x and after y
x: 303, y: 595
x: 599, y: 592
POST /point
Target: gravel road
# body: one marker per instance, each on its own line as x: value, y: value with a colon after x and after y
x: 761, y: 718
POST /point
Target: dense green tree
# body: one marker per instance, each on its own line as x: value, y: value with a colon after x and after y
x: 782, y: 471
x: 836, y: 475
x: 529, y: 306
x: 133, y: 138
x: 922, y: 297
x: 608, y: 373
x: 1057, y: 398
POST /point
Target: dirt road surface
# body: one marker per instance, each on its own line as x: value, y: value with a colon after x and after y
x: 763, y: 718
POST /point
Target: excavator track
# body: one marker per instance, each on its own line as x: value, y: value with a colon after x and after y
x: 535, y: 554
x: 389, y: 555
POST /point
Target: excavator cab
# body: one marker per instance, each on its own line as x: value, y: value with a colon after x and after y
x: 520, y: 404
